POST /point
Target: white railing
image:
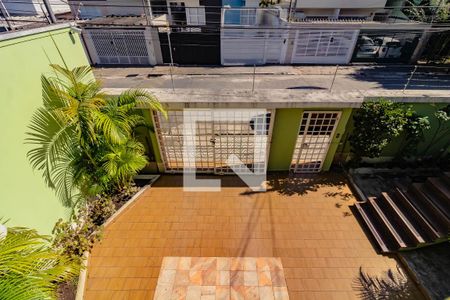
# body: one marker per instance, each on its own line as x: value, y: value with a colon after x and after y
x: 250, y: 16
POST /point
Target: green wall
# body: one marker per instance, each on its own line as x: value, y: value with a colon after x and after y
x: 424, y: 109
x: 284, y: 135
x: 25, y: 199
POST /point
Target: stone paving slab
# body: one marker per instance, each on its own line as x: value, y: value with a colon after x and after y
x: 217, y: 278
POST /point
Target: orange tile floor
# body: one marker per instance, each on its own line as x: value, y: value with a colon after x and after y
x: 306, y: 223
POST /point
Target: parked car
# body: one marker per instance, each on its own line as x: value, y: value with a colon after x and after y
x: 389, y: 47
x: 366, y: 48
x: 379, y: 47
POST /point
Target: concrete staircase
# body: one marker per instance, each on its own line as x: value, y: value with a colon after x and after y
x: 409, y: 216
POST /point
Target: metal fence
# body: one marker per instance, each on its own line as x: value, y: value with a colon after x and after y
x: 16, y: 14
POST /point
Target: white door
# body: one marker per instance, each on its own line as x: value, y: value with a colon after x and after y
x: 324, y: 46
x: 253, y: 46
x: 219, y: 134
x: 314, y: 137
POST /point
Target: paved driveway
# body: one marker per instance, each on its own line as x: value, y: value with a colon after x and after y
x: 306, y: 223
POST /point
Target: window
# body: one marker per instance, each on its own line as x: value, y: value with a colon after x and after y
x: 196, y: 16
x: 248, y: 17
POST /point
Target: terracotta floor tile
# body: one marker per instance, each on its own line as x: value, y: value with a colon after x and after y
x: 296, y: 223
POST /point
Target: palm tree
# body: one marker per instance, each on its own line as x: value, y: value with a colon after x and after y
x: 83, y: 138
x: 29, y: 269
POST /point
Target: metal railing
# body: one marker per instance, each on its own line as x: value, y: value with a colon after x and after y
x: 12, y: 18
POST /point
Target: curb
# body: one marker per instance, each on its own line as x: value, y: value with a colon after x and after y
x: 85, y: 259
x: 83, y: 275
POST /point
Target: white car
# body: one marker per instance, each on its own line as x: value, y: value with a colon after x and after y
x: 366, y: 48
x: 389, y: 47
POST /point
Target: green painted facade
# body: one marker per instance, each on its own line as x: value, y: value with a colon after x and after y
x: 423, y: 109
x: 284, y: 136
x: 25, y: 199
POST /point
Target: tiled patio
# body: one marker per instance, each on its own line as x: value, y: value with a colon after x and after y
x: 305, y: 222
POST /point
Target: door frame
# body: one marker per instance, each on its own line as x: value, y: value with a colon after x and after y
x: 333, y: 132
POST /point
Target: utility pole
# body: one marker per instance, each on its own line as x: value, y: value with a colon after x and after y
x: 147, y: 11
x: 171, y: 58
x: 6, y: 15
x: 409, y: 79
x: 292, y: 9
x: 253, y: 82
x: 334, y: 78
x: 50, y: 11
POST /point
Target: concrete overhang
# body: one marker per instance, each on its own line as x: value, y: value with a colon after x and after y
x: 26, y: 32
x: 281, y: 98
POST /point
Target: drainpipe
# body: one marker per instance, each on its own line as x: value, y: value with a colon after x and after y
x: 50, y: 11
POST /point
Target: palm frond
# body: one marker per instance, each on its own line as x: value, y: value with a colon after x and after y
x: 124, y: 161
x: 29, y: 269
x: 83, y: 138
x: 139, y: 98
x: 112, y: 123
x: 63, y: 176
x: 51, y: 137
x: 390, y: 286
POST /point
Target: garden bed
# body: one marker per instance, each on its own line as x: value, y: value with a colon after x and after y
x: 71, y: 291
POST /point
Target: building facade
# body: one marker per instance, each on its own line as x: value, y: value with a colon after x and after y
x: 26, y: 55
x: 216, y: 32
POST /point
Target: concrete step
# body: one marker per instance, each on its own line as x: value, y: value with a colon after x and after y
x: 424, y: 227
x: 400, y: 219
x: 428, y: 208
x: 386, y: 223
x: 374, y: 227
x: 446, y: 178
x: 440, y: 192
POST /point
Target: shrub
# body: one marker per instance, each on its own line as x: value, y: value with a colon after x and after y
x: 79, y: 234
x: 376, y: 123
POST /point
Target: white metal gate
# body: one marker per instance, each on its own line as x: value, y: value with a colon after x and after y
x: 253, y: 46
x: 115, y: 46
x: 219, y: 134
x: 313, y: 141
x: 324, y: 46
